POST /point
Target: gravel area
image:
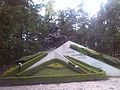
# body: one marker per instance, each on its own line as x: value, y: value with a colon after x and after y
x: 110, y: 84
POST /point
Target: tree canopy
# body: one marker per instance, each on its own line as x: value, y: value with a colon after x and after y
x: 22, y: 27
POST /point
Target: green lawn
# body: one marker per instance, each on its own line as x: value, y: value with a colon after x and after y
x: 56, y: 69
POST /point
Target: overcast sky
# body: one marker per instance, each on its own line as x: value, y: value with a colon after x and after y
x: 90, y: 6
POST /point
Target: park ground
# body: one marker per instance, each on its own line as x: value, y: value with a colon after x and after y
x: 111, y: 83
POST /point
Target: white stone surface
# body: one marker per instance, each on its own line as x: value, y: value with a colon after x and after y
x: 110, y: 70
x: 66, y: 50
x: 50, y: 56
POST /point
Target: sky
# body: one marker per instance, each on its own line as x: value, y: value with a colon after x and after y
x: 90, y: 6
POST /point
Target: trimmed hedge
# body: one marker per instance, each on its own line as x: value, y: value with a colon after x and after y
x: 51, y: 79
x: 27, y: 77
x: 33, y: 61
x: 27, y: 58
x: 71, y: 64
x: 102, y: 57
x: 14, y: 70
x: 86, y: 67
x: 31, y: 71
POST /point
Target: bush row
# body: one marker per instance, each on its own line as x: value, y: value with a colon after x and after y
x: 24, y: 77
x: 81, y: 69
x: 27, y: 58
x: 51, y: 79
x: 102, y: 57
x: 41, y: 66
x: 86, y: 67
x: 77, y: 69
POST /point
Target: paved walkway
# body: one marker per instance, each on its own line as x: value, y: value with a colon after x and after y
x: 110, y: 84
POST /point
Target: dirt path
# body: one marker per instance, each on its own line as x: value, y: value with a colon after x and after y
x: 110, y: 84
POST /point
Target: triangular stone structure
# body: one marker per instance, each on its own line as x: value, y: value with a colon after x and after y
x: 52, y: 55
x: 65, y: 50
x: 74, y: 63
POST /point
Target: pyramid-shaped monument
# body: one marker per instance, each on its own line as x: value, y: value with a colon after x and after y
x: 69, y: 62
x: 70, y: 49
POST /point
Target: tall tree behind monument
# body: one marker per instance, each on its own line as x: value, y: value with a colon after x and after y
x: 107, y: 28
x: 16, y: 17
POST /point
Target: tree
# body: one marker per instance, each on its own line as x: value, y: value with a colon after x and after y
x: 67, y: 20
x: 49, y: 9
x: 107, y: 28
x: 16, y: 17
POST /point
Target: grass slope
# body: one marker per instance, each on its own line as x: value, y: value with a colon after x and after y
x: 55, y: 69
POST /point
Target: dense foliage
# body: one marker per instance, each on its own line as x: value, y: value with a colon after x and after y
x: 22, y: 28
